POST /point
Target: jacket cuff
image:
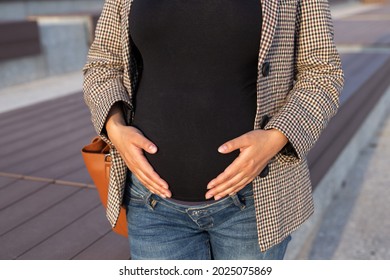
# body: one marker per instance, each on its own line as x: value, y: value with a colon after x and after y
x: 101, y: 110
x: 291, y: 122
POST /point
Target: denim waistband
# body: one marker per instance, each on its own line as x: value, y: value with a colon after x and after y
x: 151, y: 199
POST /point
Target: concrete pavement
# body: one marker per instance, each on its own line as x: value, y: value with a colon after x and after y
x: 356, y: 225
x: 22, y: 95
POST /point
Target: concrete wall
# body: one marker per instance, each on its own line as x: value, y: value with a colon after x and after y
x: 64, y: 43
x: 14, y: 10
x: 64, y: 39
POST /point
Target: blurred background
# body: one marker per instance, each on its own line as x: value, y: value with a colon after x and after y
x: 49, y: 208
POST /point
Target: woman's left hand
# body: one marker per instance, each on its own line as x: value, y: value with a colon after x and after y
x: 257, y: 147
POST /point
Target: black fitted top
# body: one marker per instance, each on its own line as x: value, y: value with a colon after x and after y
x: 198, y: 84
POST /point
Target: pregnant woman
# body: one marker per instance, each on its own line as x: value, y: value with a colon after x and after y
x: 210, y: 108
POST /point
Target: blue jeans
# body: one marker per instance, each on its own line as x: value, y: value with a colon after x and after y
x: 162, y: 229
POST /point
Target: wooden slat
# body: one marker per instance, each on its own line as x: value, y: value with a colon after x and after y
x: 56, y: 141
x: 61, y: 167
x: 380, y: 10
x: 345, y: 124
x: 338, y: 1
x: 358, y: 70
x: 6, y: 181
x: 19, y: 49
x: 73, y: 239
x: 110, y: 247
x: 28, y: 237
x: 80, y: 175
x: 17, y: 127
x: 18, y: 39
x: 53, y: 155
x: 40, y: 112
x: 33, y: 112
x: 33, y: 205
x: 37, y: 133
x: 18, y: 31
x: 28, y: 160
x: 17, y: 191
x: 368, y: 33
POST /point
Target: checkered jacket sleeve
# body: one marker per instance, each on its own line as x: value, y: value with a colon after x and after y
x: 319, y: 79
x: 103, y: 73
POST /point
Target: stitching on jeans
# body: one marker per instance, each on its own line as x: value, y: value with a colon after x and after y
x: 209, y: 249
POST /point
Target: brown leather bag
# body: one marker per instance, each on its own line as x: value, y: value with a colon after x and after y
x: 97, y: 159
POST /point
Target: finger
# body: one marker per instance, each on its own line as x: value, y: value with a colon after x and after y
x: 139, y: 161
x: 220, y: 179
x: 144, y: 143
x: 145, y: 181
x: 227, y: 188
x: 232, y: 190
x: 160, y: 189
x: 237, y: 166
x: 152, y: 186
x: 234, y: 144
x: 149, y: 172
x: 148, y: 177
x: 152, y: 181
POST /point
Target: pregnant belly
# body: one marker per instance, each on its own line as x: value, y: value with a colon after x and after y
x: 187, y: 160
x: 188, y: 127
x: 188, y: 169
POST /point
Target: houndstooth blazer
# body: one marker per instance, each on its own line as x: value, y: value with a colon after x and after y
x: 298, y: 86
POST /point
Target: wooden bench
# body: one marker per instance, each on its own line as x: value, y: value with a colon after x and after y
x: 19, y: 39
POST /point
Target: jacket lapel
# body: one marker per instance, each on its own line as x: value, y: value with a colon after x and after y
x: 269, y: 10
x: 126, y: 4
x: 269, y: 13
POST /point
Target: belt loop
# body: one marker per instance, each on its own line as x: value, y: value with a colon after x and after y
x: 237, y: 201
x: 150, y: 202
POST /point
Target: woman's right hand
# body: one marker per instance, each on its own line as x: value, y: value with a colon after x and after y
x: 131, y: 144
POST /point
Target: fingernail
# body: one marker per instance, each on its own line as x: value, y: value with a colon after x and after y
x: 208, y: 196
x: 210, y: 187
x: 217, y: 197
x: 222, y: 149
x: 152, y: 148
